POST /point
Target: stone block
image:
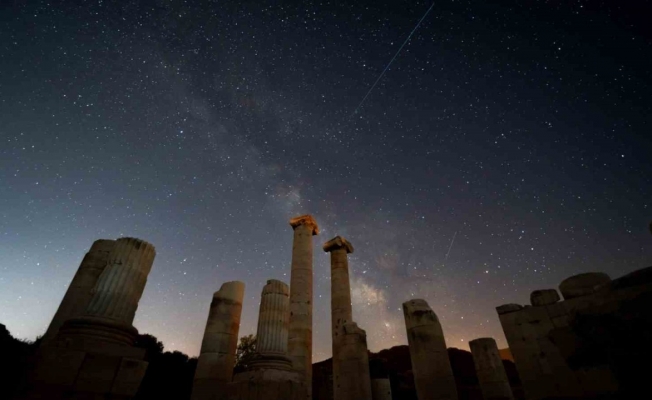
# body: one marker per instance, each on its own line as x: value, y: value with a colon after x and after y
x: 508, y: 308
x: 583, y: 284
x: 130, y: 374
x: 544, y: 297
x: 57, y: 366
x: 97, y: 373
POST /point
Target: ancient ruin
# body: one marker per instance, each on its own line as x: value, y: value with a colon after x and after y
x: 433, y: 376
x: 350, y: 358
x: 270, y: 374
x: 491, y: 372
x: 92, y: 356
x: 79, y: 293
x: 217, y: 354
x: 579, y: 347
x: 300, y: 327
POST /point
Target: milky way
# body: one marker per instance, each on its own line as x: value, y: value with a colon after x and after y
x: 520, y: 128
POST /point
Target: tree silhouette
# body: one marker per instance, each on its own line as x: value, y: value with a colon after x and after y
x: 245, y: 351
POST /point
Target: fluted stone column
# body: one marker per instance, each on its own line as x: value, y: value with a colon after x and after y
x: 433, y: 375
x: 300, y: 333
x: 350, y: 359
x: 121, y: 284
x: 217, y: 354
x: 92, y: 356
x: 490, y: 369
x: 79, y: 293
x: 273, y: 320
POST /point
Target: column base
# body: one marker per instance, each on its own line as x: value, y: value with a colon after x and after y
x: 89, y: 359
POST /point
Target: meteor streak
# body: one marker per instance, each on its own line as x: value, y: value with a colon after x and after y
x: 392, y: 60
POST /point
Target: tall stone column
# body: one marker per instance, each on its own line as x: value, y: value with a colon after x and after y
x: 381, y: 389
x: 79, y: 293
x: 491, y: 372
x: 300, y: 334
x: 350, y: 359
x: 433, y: 375
x: 217, y: 354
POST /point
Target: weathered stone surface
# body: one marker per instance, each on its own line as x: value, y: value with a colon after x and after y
x: 544, y: 297
x: 300, y: 326
x: 217, y: 354
x: 92, y: 356
x: 273, y: 319
x: 433, y: 375
x: 381, y: 389
x: 349, y: 341
x: 508, y: 308
x: 79, y: 293
x: 490, y: 370
x: 549, y: 341
x: 258, y: 389
x: 583, y: 284
x: 121, y: 284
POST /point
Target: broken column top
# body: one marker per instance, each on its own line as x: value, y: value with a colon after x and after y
x: 102, y: 245
x: 305, y: 220
x: 417, y: 313
x: 233, y: 291
x: 583, y: 284
x: 276, y: 286
x: 483, y: 342
x: 337, y: 243
x: 544, y: 297
x: 508, y: 308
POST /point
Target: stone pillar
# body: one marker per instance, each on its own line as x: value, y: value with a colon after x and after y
x: 433, y: 375
x: 79, y: 293
x: 121, y: 284
x: 381, y: 389
x: 350, y: 358
x: 217, y: 354
x: 273, y: 320
x: 491, y: 372
x: 92, y: 356
x: 300, y: 334
x: 380, y: 385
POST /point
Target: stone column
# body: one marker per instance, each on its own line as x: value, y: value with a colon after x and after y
x: 433, y: 375
x: 273, y: 320
x: 381, y: 389
x: 491, y: 372
x: 217, y: 354
x: 79, y: 293
x: 121, y: 284
x: 380, y: 386
x: 300, y: 334
x: 350, y: 358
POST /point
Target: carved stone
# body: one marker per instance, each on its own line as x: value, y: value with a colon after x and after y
x: 433, y: 375
x: 491, y: 372
x: 217, y: 354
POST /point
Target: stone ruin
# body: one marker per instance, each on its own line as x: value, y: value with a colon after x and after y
x: 578, y: 347
x: 88, y: 350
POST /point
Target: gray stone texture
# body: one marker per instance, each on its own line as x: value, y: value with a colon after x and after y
x: 381, y: 389
x: 544, y: 297
x: 79, y: 293
x: 300, y: 326
x: 541, y: 337
x: 433, y: 375
x: 92, y: 356
x: 350, y: 358
x: 217, y: 355
x: 490, y: 370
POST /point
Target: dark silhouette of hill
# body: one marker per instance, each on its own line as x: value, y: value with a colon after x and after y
x: 15, y: 361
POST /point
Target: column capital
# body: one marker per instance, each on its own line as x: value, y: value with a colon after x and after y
x: 305, y: 220
x: 337, y: 243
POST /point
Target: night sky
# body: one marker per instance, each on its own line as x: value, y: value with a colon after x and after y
x: 506, y: 148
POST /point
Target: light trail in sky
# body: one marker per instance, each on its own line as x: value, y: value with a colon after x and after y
x: 392, y: 60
